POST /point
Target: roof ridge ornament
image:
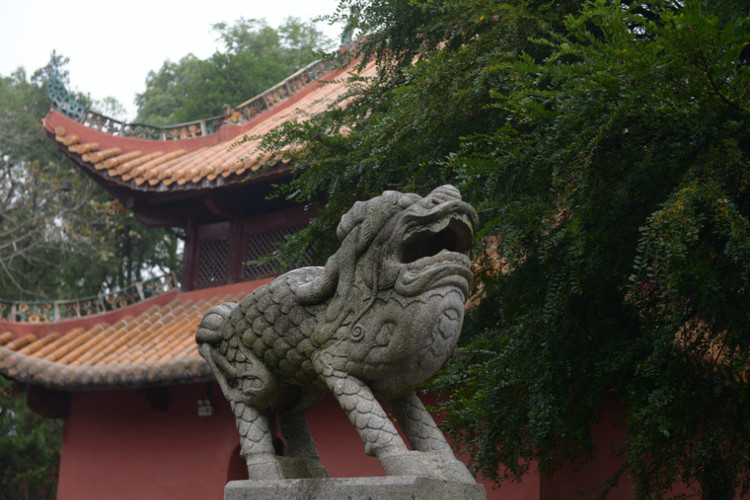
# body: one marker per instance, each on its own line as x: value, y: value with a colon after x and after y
x: 62, y: 101
x: 243, y: 113
x: 45, y: 311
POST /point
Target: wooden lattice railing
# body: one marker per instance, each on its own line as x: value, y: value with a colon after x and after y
x: 246, y: 111
x: 42, y: 311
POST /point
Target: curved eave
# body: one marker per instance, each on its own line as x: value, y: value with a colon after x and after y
x: 113, y: 173
x: 149, y: 344
x: 191, y: 164
x: 52, y: 375
x: 143, y: 165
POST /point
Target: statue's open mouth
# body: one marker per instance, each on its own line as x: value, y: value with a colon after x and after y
x: 448, y: 227
x: 453, y: 234
x: 435, y: 247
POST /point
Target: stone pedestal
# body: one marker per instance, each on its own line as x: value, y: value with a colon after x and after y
x: 358, y: 488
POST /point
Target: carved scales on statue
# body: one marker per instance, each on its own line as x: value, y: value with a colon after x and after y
x: 378, y: 320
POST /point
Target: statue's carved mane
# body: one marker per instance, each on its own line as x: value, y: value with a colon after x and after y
x: 356, y: 231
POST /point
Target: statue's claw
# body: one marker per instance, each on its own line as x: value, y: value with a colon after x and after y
x: 417, y: 463
x: 302, y: 467
x: 411, y: 463
x: 455, y: 470
x: 263, y: 466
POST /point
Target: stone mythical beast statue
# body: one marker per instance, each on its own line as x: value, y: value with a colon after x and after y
x: 378, y: 320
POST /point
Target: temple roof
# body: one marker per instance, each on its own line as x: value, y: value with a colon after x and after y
x: 193, y: 160
x: 151, y: 343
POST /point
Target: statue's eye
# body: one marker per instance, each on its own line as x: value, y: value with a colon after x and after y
x: 348, y: 319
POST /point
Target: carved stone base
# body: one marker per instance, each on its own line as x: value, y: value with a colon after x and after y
x: 356, y: 488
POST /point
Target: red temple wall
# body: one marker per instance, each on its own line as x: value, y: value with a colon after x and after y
x: 126, y: 444
x: 115, y: 446
x: 573, y: 482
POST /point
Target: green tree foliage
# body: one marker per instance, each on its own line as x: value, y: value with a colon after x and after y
x: 605, y: 146
x: 29, y: 448
x: 61, y: 236
x: 255, y: 57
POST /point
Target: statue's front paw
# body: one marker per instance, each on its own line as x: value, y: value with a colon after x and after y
x: 263, y: 466
x: 455, y: 470
x: 411, y: 463
x: 302, y: 467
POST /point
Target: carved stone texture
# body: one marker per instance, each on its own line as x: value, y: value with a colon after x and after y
x: 361, y: 488
x: 380, y: 319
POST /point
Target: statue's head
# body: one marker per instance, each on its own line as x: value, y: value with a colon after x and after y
x: 397, y: 250
x: 423, y: 246
x: 400, y: 240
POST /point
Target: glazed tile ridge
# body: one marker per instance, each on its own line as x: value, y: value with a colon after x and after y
x: 198, y: 162
x: 98, y: 156
x: 84, y: 148
x: 37, y: 344
x: 21, y: 342
x: 153, y: 347
x: 126, y: 167
x: 146, y: 170
x: 69, y: 140
x: 117, y: 160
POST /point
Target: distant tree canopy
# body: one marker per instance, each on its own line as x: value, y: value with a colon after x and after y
x: 61, y: 235
x: 606, y: 147
x: 255, y: 57
x: 29, y: 448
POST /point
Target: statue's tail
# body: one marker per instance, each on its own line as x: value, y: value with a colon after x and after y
x: 212, y: 338
x: 210, y: 331
x: 221, y: 348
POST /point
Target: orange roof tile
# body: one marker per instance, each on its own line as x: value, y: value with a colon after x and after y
x: 153, y: 346
x: 200, y: 161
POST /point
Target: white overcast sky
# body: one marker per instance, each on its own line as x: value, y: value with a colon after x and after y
x: 112, y: 45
